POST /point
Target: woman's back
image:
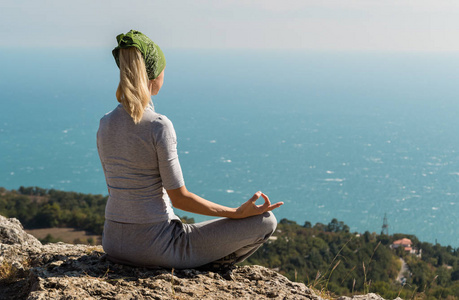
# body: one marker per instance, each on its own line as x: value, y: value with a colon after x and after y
x: 139, y: 161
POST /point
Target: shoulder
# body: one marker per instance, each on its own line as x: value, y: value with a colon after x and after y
x: 163, y: 122
x: 157, y: 121
x: 106, y: 120
x: 162, y: 129
x: 115, y: 113
x: 106, y: 116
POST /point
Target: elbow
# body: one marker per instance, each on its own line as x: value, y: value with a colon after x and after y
x: 176, y: 203
x: 178, y: 197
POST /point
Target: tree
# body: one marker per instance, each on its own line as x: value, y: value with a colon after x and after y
x: 455, y: 275
x: 333, y: 226
x: 287, y: 222
x: 48, y: 215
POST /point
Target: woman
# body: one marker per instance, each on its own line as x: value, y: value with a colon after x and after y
x: 138, y: 152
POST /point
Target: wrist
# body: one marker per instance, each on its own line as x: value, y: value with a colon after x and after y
x: 231, y: 213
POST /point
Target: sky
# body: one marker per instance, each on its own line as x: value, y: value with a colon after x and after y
x: 330, y: 25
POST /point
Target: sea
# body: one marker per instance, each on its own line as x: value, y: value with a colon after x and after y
x: 354, y: 136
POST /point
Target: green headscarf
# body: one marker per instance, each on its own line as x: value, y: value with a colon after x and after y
x: 155, y: 62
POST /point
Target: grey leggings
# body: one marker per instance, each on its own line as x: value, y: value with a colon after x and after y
x: 172, y: 244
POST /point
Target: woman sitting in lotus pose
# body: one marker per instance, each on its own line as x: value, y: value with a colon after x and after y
x: 138, y: 152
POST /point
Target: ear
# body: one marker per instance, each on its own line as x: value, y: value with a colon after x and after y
x: 151, y: 85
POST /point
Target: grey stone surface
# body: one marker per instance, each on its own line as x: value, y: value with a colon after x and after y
x: 12, y: 232
x: 370, y: 296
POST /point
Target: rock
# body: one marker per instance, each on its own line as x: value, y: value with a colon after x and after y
x: 370, y: 296
x: 63, y: 271
x: 12, y: 232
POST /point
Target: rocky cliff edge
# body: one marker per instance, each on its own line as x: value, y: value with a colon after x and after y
x: 30, y: 270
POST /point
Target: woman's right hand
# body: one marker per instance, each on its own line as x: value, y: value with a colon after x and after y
x: 182, y: 199
x: 250, y: 208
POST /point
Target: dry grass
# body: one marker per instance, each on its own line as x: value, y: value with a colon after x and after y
x: 98, y: 249
x: 367, y: 285
x: 67, y: 235
x: 9, y: 273
x: 322, y: 280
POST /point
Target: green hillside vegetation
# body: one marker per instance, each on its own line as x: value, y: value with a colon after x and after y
x: 325, y: 256
x: 39, y: 208
x: 330, y: 258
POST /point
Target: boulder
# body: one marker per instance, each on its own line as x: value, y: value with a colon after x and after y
x: 12, y: 232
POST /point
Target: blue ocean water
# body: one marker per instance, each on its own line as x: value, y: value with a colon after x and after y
x: 350, y: 136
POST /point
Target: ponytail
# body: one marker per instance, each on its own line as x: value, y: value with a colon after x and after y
x: 133, y: 92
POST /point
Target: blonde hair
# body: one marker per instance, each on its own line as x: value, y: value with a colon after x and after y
x: 133, y: 92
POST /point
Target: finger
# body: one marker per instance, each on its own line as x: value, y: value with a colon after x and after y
x: 266, y: 198
x: 267, y: 202
x: 255, y: 197
x: 274, y: 206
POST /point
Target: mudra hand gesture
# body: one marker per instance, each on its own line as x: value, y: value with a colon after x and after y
x: 250, y: 208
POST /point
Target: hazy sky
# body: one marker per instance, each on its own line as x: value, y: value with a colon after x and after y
x: 377, y: 25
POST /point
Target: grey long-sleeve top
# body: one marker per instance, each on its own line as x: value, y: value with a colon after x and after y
x: 140, y: 163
